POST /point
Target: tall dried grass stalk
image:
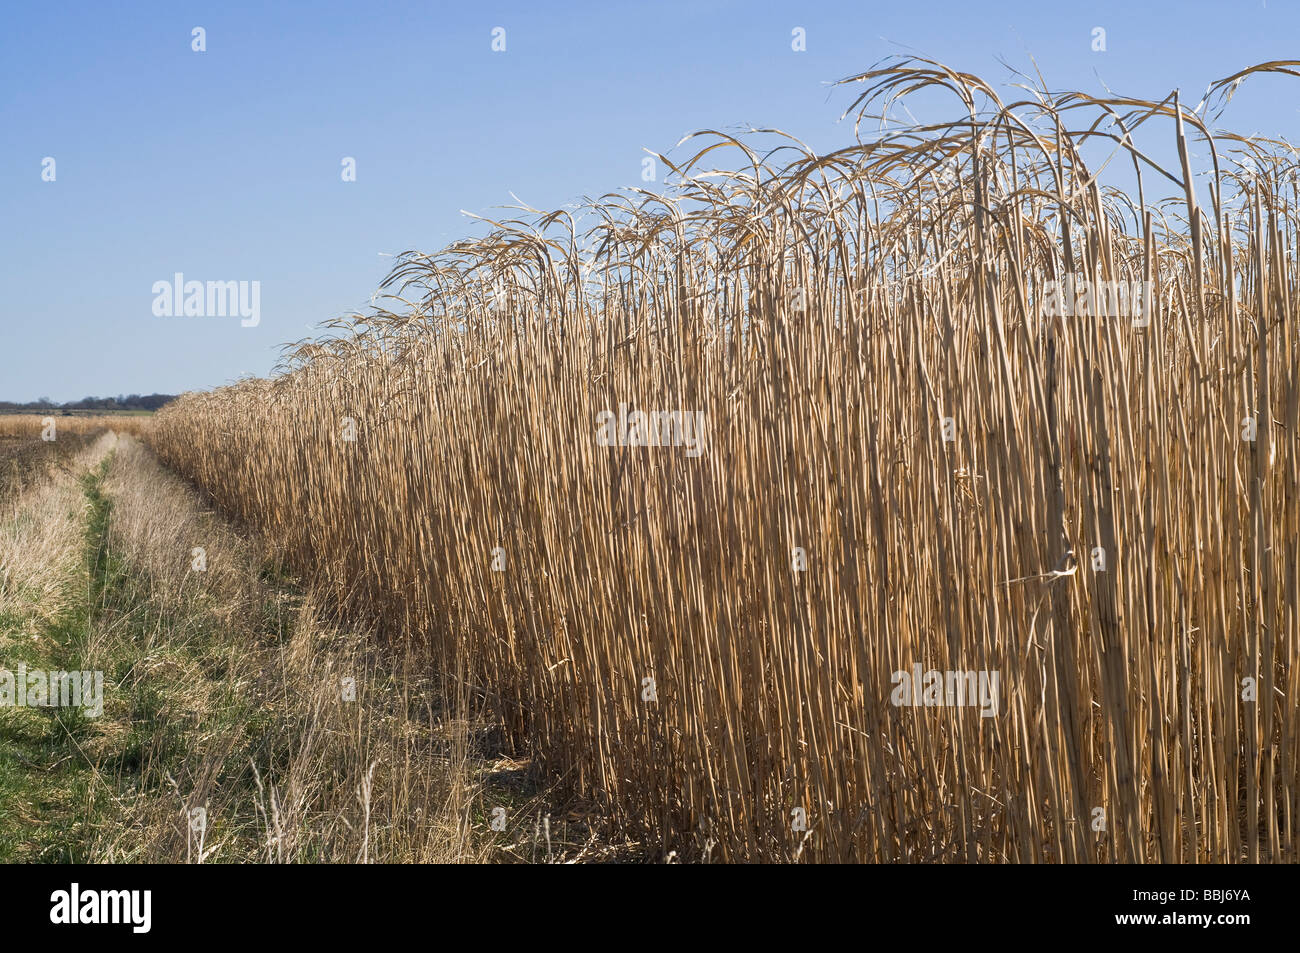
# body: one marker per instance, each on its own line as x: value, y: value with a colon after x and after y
x: 827, y: 312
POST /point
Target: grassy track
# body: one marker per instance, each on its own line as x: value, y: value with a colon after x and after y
x: 48, y: 788
x: 224, y: 734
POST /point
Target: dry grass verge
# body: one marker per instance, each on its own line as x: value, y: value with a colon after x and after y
x: 240, y: 724
x: 249, y: 720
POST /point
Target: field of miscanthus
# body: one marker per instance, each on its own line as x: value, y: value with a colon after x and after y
x: 918, y: 450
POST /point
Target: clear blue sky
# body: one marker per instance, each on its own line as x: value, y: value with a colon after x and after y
x: 225, y: 165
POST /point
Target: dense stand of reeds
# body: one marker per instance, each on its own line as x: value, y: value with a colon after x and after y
x: 909, y: 459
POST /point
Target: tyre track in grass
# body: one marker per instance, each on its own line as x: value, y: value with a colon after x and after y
x: 221, y: 695
x: 51, y: 545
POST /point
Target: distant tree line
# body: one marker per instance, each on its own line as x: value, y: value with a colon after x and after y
x: 120, y: 402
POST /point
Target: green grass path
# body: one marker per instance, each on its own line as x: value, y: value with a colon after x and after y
x: 49, y: 791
